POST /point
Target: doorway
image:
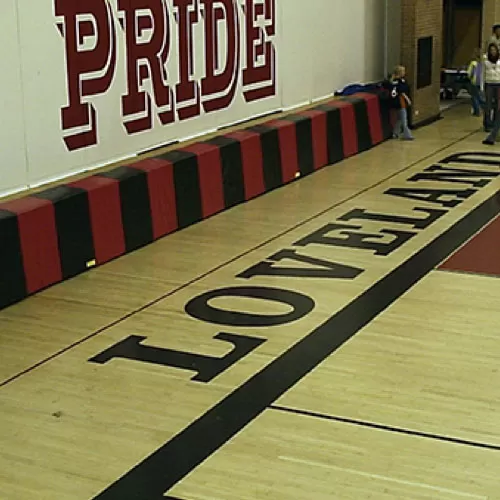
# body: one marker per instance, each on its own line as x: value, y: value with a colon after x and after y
x: 462, y: 21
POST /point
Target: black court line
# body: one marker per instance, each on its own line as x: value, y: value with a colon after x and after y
x: 121, y: 319
x: 173, y: 461
x: 381, y: 427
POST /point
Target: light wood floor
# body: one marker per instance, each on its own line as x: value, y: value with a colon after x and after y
x: 363, y: 397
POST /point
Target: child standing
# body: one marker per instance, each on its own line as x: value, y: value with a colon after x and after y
x: 400, y: 99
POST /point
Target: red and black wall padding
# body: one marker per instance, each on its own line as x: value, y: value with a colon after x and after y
x: 348, y: 124
x: 375, y: 122
x: 60, y: 232
x: 334, y: 133
x: 251, y: 162
x: 30, y: 255
x: 72, y: 226
x: 105, y: 215
x: 271, y: 156
x: 286, y: 135
x: 231, y: 180
x: 135, y: 206
x: 14, y: 271
x: 362, y: 122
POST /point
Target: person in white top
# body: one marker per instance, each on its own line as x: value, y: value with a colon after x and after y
x: 492, y: 89
x: 491, y: 81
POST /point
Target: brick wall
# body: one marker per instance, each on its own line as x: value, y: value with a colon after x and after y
x: 422, y: 18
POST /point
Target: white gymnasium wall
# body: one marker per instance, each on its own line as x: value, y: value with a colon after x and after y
x: 322, y: 48
x: 13, y: 168
x: 375, y: 33
x: 318, y: 49
x: 393, y: 33
x: 295, y: 65
x: 328, y: 46
x: 337, y: 48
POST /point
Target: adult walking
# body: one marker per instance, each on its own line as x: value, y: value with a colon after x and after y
x: 491, y: 85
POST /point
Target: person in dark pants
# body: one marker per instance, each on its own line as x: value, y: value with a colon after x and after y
x: 491, y: 81
x: 475, y: 83
x: 492, y: 137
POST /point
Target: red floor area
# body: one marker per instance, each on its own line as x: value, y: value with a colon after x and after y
x: 480, y: 255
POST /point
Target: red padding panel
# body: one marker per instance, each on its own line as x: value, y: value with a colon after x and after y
x: 251, y: 157
x: 319, y: 137
x: 374, y: 117
x: 287, y: 135
x: 105, y: 216
x: 161, y: 189
x: 349, y: 131
x: 210, y: 175
x: 39, y: 245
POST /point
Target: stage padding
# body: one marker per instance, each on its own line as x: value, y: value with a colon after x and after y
x: 58, y: 233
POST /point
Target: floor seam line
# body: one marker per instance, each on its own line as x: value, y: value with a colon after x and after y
x: 384, y: 427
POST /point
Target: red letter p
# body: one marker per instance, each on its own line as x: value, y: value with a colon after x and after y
x: 89, y: 34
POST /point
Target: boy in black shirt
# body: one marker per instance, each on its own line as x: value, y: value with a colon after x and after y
x: 400, y: 101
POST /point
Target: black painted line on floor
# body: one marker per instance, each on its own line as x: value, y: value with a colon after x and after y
x: 123, y: 318
x: 173, y: 461
x: 381, y: 427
